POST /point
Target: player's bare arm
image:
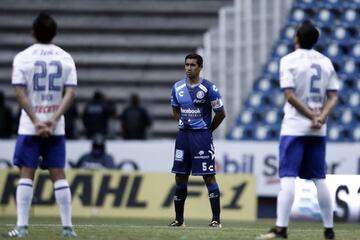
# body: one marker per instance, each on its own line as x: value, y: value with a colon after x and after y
x: 218, y: 118
x: 296, y: 103
x: 64, y: 105
x: 331, y: 100
x: 22, y: 98
x: 176, y: 113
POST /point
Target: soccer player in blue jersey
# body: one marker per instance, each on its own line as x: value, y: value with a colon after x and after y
x: 310, y: 85
x: 193, y: 100
x: 44, y: 77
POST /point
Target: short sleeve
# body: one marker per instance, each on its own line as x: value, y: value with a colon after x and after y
x: 174, y: 101
x: 215, y: 98
x: 286, y: 75
x: 17, y: 76
x: 333, y: 81
x: 71, y: 80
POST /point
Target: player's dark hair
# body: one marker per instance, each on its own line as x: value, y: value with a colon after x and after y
x: 198, y: 58
x: 307, y: 34
x: 44, y: 28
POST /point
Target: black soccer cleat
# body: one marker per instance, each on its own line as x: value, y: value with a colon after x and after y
x: 176, y: 223
x: 274, y: 233
x: 329, y: 233
x: 215, y: 224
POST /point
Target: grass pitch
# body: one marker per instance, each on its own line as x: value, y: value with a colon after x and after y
x: 156, y: 229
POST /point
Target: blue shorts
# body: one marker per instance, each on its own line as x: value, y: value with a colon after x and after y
x: 302, y: 156
x: 34, y: 151
x: 194, y: 152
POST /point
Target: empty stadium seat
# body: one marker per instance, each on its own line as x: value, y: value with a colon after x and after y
x: 338, y: 22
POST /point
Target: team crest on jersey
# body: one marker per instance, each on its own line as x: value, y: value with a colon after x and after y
x: 200, y: 94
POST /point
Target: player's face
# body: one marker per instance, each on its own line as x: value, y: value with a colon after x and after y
x: 192, y: 68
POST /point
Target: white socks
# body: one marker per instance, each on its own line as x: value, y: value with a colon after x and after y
x: 24, y: 194
x: 325, y: 202
x: 285, y: 201
x: 63, y: 199
x: 286, y: 198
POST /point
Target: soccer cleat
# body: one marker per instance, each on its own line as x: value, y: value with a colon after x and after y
x: 215, y: 224
x: 17, y: 232
x: 274, y: 233
x: 329, y: 233
x: 176, y: 223
x: 68, y: 232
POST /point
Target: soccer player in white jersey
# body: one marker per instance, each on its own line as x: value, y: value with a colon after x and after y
x: 310, y: 85
x: 44, y: 77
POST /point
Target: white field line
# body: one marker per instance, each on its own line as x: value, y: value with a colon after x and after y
x: 85, y: 226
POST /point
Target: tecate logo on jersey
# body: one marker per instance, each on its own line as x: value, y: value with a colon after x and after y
x: 46, y: 109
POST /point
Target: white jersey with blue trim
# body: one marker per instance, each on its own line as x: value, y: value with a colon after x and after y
x: 196, y: 103
x: 311, y: 75
x: 44, y: 70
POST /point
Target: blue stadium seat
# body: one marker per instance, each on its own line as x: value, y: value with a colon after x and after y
x: 283, y: 48
x: 273, y: 116
x: 272, y: 68
x: 288, y: 33
x: 354, y: 51
x: 249, y: 116
x: 334, y: 51
x: 342, y: 35
x: 356, y: 134
x: 297, y: 16
x: 339, y: 24
x: 325, y: 18
x: 266, y: 84
x: 349, y: 68
x: 350, y: 17
x: 334, y: 133
x: 348, y: 117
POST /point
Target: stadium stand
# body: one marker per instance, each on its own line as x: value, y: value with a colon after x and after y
x: 120, y: 46
x: 338, y: 22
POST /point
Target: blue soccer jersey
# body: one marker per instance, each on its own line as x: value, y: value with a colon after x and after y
x: 196, y: 103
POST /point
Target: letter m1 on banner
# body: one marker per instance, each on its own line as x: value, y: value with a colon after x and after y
x: 118, y: 194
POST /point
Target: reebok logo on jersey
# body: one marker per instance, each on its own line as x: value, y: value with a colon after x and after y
x: 190, y: 111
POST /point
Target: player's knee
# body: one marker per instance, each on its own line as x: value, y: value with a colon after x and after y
x: 209, y: 179
x: 181, y: 179
x: 57, y: 174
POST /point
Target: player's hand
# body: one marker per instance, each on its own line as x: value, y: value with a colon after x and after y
x: 317, y: 122
x: 51, y: 125
x: 42, y: 129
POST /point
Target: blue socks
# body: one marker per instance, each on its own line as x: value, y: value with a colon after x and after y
x: 179, y: 201
x: 214, y: 197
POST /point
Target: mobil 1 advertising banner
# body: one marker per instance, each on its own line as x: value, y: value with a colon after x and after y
x: 345, y: 194
x: 231, y: 157
x: 261, y: 159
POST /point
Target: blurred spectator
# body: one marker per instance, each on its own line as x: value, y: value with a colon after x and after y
x: 70, y: 121
x: 135, y: 120
x: 6, y: 118
x: 97, y: 158
x: 97, y: 115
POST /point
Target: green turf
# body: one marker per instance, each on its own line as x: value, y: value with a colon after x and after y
x: 138, y: 229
